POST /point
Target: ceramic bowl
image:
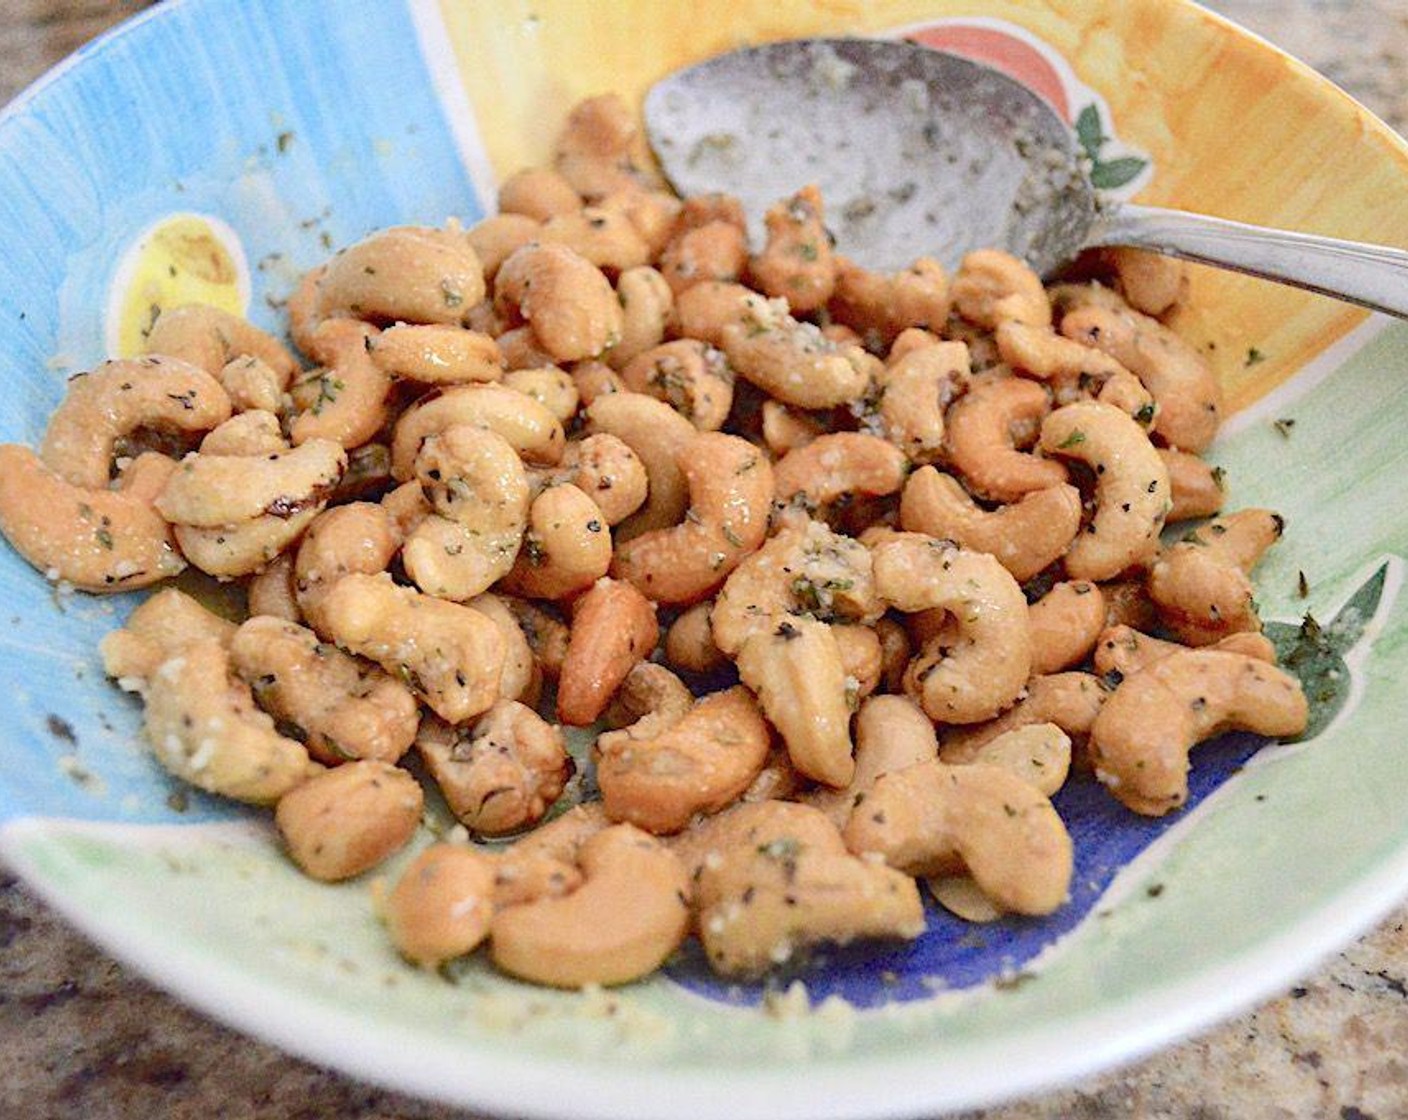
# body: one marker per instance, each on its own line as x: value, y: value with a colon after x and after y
x: 214, y: 149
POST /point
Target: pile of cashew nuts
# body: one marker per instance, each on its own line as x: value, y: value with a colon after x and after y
x: 846, y: 572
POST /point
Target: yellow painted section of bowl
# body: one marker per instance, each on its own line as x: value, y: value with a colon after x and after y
x: 1235, y: 128
x: 184, y: 258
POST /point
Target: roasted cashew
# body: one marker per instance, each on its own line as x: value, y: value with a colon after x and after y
x: 409, y: 274
x: 1196, y: 485
x: 653, y: 214
x: 979, y: 669
x: 436, y: 354
x: 704, y: 310
x: 93, y: 539
x: 792, y: 360
x: 156, y: 630
x: 891, y: 733
x: 449, y: 654
x: 709, y: 244
x: 786, y: 429
x: 596, y: 150
x: 605, y: 469
x: 796, y: 262
x: 345, y: 399
x: 646, y: 305
x: 730, y: 495
x: 273, y: 592
x: 358, y: 537
x: 1065, y: 624
x: 102, y: 407
x: 566, y: 299
x: 1070, y: 700
x: 613, y: 628
x: 862, y: 659
x: 895, y: 652
x: 479, y: 493
x: 539, y: 193
x: 501, y: 773
x: 988, y: 426
x: 1131, y: 487
x: 992, y: 287
x: 805, y: 570
x: 659, y: 772
x: 210, y: 490
x: 530, y: 429
x: 936, y: 819
x: 656, y: 433
x: 338, y: 708
x: 881, y: 306
x: 521, y: 679
x: 605, y: 236
x: 1184, y: 386
x: 566, y: 548
x: 204, y: 727
x: 1149, y: 282
x: 348, y: 820
x: 1122, y: 650
x: 797, y: 670
x: 1038, y: 753
x: 649, y: 690
x: 522, y: 350
x: 255, y: 432
x: 692, y: 377
x: 791, y: 885
x: 1026, y: 536
x: 1140, y: 741
x: 915, y: 390
x: 1200, y: 585
x: 441, y: 905
x: 1073, y: 370
x: 838, y: 465
x: 1127, y: 602
x: 551, y: 387
x: 595, y: 379
x: 628, y: 915
x: 546, y: 633
x: 213, y: 339
x: 498, y: 237
x: 689, y: 642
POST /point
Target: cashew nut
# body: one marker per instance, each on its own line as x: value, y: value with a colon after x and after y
x: 530, y: 429
x: 1065, y: 624
x: 604, y: 468
x: 792, y: 360
x: 986, y: 429
x: 731, y: 491
x: 449, y: 654
x: 156, y: 630
x: 406, y: 274
x: 915, y: 390
x: 1069, y: 700
x: 566, y: 299
x: 881, y: 306
x: 436, y: 354
x: 613, y: 628
x: 646, y: 305
x: 973, y: 673
x: 539, y: 193
x: 479, y: 493
x: 796, y: 262
x: 348, y: 820
x: 215, y: 340
x: 1200, y: 585
x: 500, y: 774
x: 840, y: 464
x: 345, y: 400
x: 498, y: 237
x: 628, y: 915
x: 1140, y: 741
x: 1131, y: 487
x: 692, y: 377
x: 993, y: 287
x: 94, y: 539
x: 566, y: 548
x: 209, y: 490
x: 204, y: 727
x: 658, y: 777
x: 114, y: 400
x: 603, y: 235
x: 689, y: 642
x: 1195, y: 485
x: 550, y: 387
x: 441, y: 905
x: 338, y: 708
x: 1026, y: 536
x: 936, y: 819
x: 358, y: 537
x: 764, y: 901
x: 656, y: 433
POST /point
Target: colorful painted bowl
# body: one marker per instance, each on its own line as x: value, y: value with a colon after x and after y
x: 214, y: 149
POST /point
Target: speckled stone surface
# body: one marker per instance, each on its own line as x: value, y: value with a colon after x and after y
x: 82, y: 1038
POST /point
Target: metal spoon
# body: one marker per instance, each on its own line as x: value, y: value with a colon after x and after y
x: 918, y: 152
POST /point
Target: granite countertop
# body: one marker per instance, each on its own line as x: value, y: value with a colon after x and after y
x: 82, y: 1036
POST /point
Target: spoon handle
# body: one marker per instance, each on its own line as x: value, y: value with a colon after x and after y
x: 1373, y: 276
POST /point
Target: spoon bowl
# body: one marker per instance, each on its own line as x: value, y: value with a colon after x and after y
x: 921, y: 152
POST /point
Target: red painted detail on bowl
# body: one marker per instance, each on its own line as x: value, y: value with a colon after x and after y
x: 1014, y: 57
